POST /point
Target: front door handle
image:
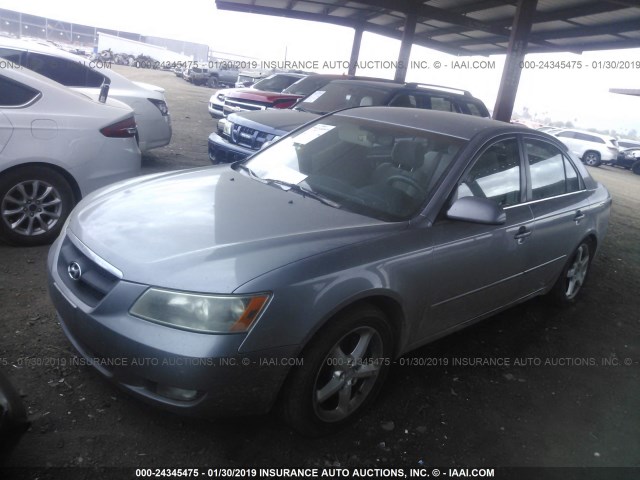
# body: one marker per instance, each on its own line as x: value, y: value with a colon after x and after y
x: 523, y: 232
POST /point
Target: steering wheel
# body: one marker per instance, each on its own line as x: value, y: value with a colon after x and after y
x: 408, y: 180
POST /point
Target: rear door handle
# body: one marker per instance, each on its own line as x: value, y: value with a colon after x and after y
x: 523, y: 232
x: 579, y: 216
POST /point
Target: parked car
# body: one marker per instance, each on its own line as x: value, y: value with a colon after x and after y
x: 274, y: 97
x: 13, y: 418
x: 56, y: 146
x: 222, y: 74
x: 243, y: 134
x: 592, y: 148
x: 277, y: 80
x: 246, y: 79
x: 198, y: 75
x: 628, y: 158
x: 626, y: 143
x: 299, y: 275
x: 291, y: 95
x: 147, y: 101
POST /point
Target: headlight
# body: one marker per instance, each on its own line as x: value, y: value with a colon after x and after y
x: 269, y: 142
x: 225, y: 126
x: 200, y: 313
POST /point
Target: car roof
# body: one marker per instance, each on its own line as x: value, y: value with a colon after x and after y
x: 446, y: 123
x: 39, y: 47
x: 392, y: 85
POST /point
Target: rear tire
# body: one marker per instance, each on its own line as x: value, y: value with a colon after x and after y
x: 592, y: 158
x: 635, y: 168
x: 344, y: 367
x: 35, y: 201
x: 573, y: 276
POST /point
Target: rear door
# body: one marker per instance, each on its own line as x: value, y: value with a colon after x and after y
x: 557, y: 198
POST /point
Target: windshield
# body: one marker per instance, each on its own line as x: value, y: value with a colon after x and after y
x: 372, y: 168
x: 337, y: 95
x: 308, y: 85
x: 276, y: 83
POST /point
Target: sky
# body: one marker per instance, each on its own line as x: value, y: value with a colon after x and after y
x: 579, y: 96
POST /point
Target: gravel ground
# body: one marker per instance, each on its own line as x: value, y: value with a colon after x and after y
x: 579, y: 407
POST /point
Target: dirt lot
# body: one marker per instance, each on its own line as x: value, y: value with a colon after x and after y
x: 573, y: 399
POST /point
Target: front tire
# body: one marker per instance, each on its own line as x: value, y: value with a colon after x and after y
x: 592, y: 158
x: 34, y: 204
x: 573, y: 276
x: 344, y: 367
x: 635, y: 168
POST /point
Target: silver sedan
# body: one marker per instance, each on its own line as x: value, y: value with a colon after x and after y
x: 295, y: 278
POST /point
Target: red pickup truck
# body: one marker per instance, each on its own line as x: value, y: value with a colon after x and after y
x: 246, y: 100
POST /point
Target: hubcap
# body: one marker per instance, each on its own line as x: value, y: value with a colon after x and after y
x: 31, y: 207
x: 591, y: 159
x: 348, y: 374
x: 577, y: 272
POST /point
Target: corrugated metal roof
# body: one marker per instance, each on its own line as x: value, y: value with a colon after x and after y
x: 471, y: 27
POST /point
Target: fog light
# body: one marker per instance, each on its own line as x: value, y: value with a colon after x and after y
x: 176, y: 393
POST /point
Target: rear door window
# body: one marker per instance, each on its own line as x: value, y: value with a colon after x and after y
x: 552, y: 174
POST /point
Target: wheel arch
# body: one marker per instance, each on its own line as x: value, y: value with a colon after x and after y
x: 75, y: 188
x: 391, y: 308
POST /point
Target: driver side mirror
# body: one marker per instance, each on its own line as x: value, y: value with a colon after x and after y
x: 477, y: 210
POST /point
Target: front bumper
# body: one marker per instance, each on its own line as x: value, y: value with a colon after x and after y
x: 148, y: 360
x: 154, y: 130
x: 215, y: 110
x: 223, y: 151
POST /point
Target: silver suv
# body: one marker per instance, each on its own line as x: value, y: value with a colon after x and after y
x: 592, y: 148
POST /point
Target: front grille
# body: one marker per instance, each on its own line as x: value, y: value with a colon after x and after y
x: 231, y: 105
x: 222, y: 155
x: 248, y: 137
x: 94, y: 282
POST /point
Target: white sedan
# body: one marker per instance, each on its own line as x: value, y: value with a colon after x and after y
x: 147, y: 101
x: 56, y: 146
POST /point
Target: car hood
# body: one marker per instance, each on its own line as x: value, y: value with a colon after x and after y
x: 262, y: 96
x: 277, y: 122
x: 211, y: 229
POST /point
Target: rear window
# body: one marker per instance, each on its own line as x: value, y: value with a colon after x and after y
x: 276, y: 83
x: 308, y: 85
x: 69, y: 73
x: 336, y: 95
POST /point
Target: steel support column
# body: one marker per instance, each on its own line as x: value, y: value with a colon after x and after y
x: 405, y: 47
x: 355, y: 50
x: 515, y: 54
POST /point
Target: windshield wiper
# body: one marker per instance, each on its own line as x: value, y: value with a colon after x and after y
x: 305, y: 192
x: 302, y: 109
x: 251, y: 173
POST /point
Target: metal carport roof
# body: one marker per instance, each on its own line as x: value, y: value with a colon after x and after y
x: 472, y: 27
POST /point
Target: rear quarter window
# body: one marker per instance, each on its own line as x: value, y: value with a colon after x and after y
x: 14, y: 94
x: 11, y: 55
x: 475, y: 110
